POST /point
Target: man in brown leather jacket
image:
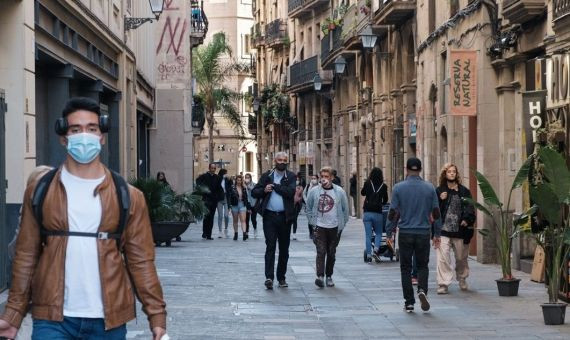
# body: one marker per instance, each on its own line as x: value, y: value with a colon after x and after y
x: 79, y: 286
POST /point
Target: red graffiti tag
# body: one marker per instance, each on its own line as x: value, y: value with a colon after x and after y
x: 168, y: 5
x: 172, y: 34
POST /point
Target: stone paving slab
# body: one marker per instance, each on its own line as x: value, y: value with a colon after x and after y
x: 214, y: 290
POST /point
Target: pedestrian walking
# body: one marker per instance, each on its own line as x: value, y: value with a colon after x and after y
x: 375, y: 192
x: 211, y: 182
x: 223, y: 206
x: 276, y: 189
x: 336, y: 179
x: 83, y: 249
x: 353, y: 185
x: 327, y: 209
x: 161, y: 177
x: 240, y: 205
x: 457, y: 219
x: 301, y: 179
x: 312, y: 183
x: 252, y: 212
x: 414, y: 208
x: 298, y: 202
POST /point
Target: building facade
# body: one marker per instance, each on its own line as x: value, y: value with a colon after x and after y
x: 238, y: 156
x: 463, y: 81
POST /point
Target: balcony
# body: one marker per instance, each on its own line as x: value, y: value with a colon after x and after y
x: 330, y: 44
x: 302, y: 74
x: 198, y: 24
x: 394, y: 12
x: 300, y: 8
x: 276, y: 33
x: 561, y: 8
x: 521, y: 11
x: 356, y: 18
x: 257, y: 36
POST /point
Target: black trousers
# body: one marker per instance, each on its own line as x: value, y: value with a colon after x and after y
x: 251, y: 216
x: 208, y: 222
x: 418, y: 246
x: 326, y: 240
x: 276, y: 229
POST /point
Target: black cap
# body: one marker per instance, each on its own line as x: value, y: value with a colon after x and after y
x: 414, y: 164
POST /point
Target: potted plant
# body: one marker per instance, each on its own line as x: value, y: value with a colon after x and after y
x: 170, y: 213
x: 506, y: 228
x: 550, y: 191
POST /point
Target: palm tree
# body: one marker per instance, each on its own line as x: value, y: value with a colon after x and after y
x: 212, y: 65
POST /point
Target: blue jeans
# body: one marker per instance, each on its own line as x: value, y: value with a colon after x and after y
x: 374, y: 221
x: 76, y: 328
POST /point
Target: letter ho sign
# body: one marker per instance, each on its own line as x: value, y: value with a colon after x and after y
x: 463, y: 76
x: 557, y: 80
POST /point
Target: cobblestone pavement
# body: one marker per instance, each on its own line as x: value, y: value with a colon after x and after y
x: 214, y: 290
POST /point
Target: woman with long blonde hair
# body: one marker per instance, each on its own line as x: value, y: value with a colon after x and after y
x: 240, y: 205
x: 457, y: 219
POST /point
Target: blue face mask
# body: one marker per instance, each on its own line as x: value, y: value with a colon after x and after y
x: 84, y: 147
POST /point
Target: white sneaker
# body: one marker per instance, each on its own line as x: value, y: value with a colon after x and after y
x: 442, y: 290
x: 463, y: 285
x: 294, y: 236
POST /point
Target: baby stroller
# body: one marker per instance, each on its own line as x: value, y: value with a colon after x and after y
x: 386, y: 250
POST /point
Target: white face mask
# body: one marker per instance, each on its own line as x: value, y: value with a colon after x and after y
x: 314, y: 182
x: 325, y: 182
x: 247, y: 181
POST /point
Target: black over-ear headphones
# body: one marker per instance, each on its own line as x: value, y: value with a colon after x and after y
x: 61, y: 125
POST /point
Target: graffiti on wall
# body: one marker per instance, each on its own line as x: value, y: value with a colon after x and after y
x: 172, y: 46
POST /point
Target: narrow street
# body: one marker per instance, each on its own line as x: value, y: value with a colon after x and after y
x: 214, y: 290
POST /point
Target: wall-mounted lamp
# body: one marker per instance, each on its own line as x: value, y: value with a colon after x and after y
x: 317, y: 82
x: 339, y: 65
x: 368, y: 38
x: 256, y: 105
x: 156, y: 6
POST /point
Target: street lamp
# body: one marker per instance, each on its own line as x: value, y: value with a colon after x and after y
x: 368, y: 38
x: 156, y: 6
x: 339, y: 65
x: 317, y: 82
x: 256, y: 105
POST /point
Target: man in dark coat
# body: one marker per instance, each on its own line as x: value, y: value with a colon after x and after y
x: 276, y: 191
x: 211, y: 181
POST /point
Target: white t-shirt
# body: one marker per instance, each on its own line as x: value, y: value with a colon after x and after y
x: 82, y: 296
x: 327, y: 216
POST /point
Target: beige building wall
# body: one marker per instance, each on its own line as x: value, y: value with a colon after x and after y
x: 234, y: 18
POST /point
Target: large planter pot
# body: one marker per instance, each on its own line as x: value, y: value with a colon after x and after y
x: 553, y: 313
x: 508, y: 287
x: 165, y: 232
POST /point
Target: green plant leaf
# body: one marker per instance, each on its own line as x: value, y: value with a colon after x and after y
x: 522, y: 174
x: 478, y: 206
x: 547, y: 202
x: 524, y: 218
x: 556, y: 173
x: 489, y: 195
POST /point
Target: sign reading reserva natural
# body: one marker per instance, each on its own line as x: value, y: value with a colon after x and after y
x: 463, y: 77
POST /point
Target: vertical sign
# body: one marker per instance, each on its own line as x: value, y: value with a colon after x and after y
x: 310, y: 153
x: 463, y: 74
x: 302, y: 153
x: 534, y: 107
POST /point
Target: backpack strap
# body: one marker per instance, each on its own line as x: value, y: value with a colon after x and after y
x: 38, y: 198
x: 122, y: 190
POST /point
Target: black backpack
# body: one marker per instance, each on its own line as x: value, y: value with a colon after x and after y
x: 39, y: 195
x: 374, y: 200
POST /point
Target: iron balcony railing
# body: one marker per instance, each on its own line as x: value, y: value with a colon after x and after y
x: 561, y: 8
x: 252, y: 124
x: 328, y: 132
x: 304, y: 71
x: 294, y: 4
x: 274, y: 30
x: 198, y: 20
x: 330, y: 43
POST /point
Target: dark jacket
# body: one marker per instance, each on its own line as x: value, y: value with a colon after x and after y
x: 467, y: 213
x: 336, y: 180
x: 212, y: 182
x: 286, y: 189
x: 225, y: 194
x: 374, y: 201
x: 352, y: 186
x: 233, y: 197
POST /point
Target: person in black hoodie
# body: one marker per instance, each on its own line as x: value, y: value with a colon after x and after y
x: 211, y: 181
x: 239, y: 203
x: 376, y: 195
x: 276, y: 190
x: 225, y: 184
x: 458, y: 218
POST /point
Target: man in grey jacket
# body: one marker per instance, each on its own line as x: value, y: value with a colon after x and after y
x: 327, y: 210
